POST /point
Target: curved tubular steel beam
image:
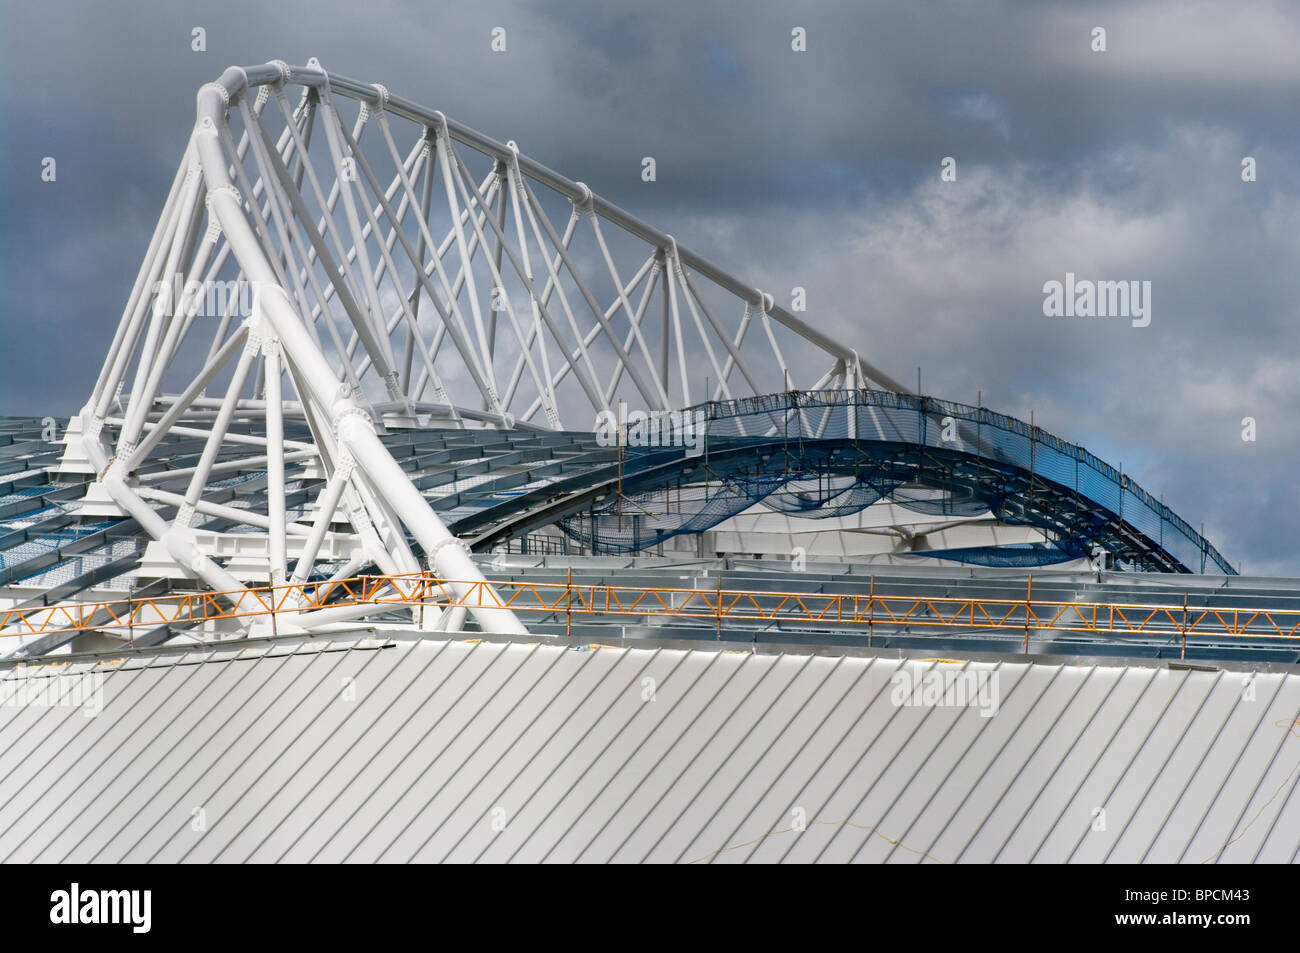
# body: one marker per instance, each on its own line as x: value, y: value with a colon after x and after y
x: 236, y: 80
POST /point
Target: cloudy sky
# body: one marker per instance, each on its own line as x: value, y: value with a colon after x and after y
x: 818, y: 169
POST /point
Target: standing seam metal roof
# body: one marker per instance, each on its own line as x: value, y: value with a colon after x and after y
x: 494, y: 751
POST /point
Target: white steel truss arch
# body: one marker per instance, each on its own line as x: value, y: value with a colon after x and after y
x: 341, y: 277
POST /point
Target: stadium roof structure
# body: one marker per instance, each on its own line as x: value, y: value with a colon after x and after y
x: 343, y: 321
x: 371, y: 389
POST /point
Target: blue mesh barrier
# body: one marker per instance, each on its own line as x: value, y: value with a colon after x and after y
x: 887, y: 423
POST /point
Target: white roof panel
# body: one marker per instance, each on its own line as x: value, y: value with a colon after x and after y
x: 496, y: 751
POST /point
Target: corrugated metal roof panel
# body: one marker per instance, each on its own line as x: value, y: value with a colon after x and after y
x: 487, y: 751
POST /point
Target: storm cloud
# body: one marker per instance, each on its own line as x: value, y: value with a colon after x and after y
x: 819, y: 169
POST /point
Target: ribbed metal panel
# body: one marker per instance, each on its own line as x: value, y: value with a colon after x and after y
x: 484, y: 751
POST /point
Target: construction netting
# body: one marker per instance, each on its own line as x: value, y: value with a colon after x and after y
x: 783, y: 464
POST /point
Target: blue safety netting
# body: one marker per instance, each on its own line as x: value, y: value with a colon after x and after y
x: 889, y: 425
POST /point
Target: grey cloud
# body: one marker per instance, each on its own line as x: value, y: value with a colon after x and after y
x: 817, y: 169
